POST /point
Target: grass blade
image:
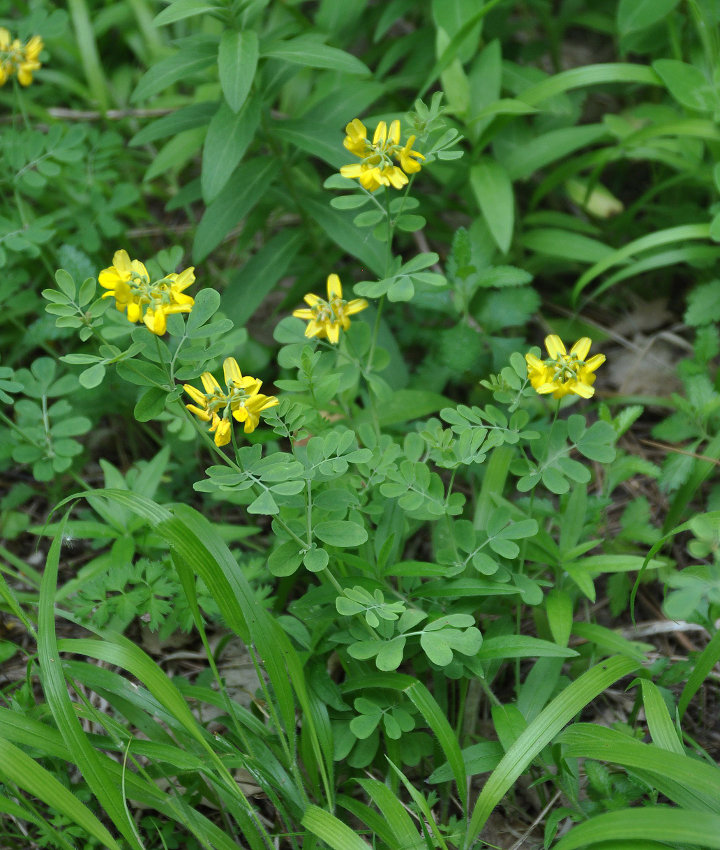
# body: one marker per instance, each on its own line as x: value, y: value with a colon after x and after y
x: 539, y: 733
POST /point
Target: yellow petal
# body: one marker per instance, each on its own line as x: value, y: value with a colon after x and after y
x: 554, y: 346
x: 334, y: 288
x: 223, y: 432
x: 195, y: 394
x: 582, y: 389
x: 184, y: 279
x: 394, y: 133
x: 156, y: 321
x: 380, y: 133
x: 210, y: 384
x: 231, y: 371
x: 303, y: 313
x: 333, y: 332
x: 595, y: 362
x: 581, y: 347
x: 133, y: 311
x: 121, y: 261
x: 314, y: 329
x: 355, y: 306
x: 311, y: 299
x: 352, y: 171
x: 199, y: 412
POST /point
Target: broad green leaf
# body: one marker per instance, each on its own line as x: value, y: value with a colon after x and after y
x: 228, y: 138
x: 566, y: 245
x: 307, y: 51
x: 634, y: 15
x: 248, y: 287
x: 176, y: 153
x: 187, y: 118
x: 687, y: 84
x: 494, y: 193
x: 179, y: 66
x: 340, y: 533
x: 247, y: 186
x: 524, y: 160
x: 178, y: 10
x: 237, y: 62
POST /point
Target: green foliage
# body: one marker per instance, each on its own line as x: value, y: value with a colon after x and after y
x: 424, y: 563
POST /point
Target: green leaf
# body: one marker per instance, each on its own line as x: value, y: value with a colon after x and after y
x: 228, y: 138
x: 405, y: 405
x: 17, y: 767
x: 237, y: 62
x: 635, y: 15
x: 566, y: 245
x: 66, y: 283
x: 539, y: 733
x: 176, y: 153
x: 703, y: 304
x: 521, y: 646
x: 181, y: 9
x: 340, y: 533
x: 331, y: 830
x: 285, y: 559
x: 245, y: 188
x: 264, y: 504
x: 307, y: 51
x: 494, y: 193
x: 52, y: 677
x: 687, y: 84
x: 390, y: 655
x: 676, y: 826
x: 187, y: 118
x: 177, y: 67
x: 316, y: 560
x: 93, y: 376
x: 247, y: 287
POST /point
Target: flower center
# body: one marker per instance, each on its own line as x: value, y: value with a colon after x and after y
x: 329, y: 311
x: 566, y: 368
x: 157, y: 293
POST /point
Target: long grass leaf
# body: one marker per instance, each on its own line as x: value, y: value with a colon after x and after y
x: 101, y: 783
x: 331, y: 830
x: 539, y: 733
x: 675, y: 826
x: 16, y: 766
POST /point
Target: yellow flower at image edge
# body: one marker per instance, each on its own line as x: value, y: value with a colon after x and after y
x: 377, y: 168
x: 562, y: 373
x: 325, y: 318
x: 242, y: 401
x: 18, y: 58
x: 129, y: 283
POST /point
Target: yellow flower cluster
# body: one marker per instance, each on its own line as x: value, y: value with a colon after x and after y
x: 242, y: 401
x: 325, y: 318
x: 17, y: 58
x: 563, y: 373
x: 377, y: 168
x: 152, y: 301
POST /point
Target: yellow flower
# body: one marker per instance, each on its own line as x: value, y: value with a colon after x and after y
x: 129, y: 283
x: 16, y: 58
x: 325, y: 318
x: 377, y: 168
x: 242, y: 401
x: 563, y: 373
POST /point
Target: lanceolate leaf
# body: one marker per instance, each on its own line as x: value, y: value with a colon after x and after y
x: 539, y: 733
